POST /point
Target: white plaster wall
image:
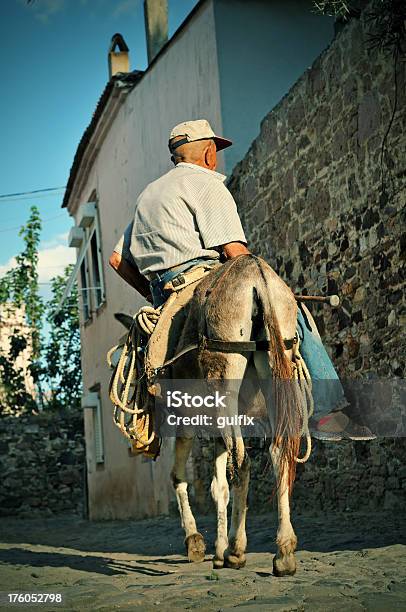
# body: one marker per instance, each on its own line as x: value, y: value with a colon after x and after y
x: 182, y: 84
x: 123, y: 486
x: 264, y: 46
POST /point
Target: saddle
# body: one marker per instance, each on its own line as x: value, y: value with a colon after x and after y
x: 150, y: 343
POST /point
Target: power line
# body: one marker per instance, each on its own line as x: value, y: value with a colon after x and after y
x: 17, y: 227
x: 35, y: 191
x: 35, y: 198
x: 31, y: 197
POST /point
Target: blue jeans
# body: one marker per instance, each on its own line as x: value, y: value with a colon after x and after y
x: 159, y: 295
x: 328, y: 393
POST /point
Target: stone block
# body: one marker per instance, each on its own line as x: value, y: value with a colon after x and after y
x: 268, y: 139
x: 393, y: 501
x: 4, y: 447
x: 296, y: 112
x: 339, y: 144
x: 369, y: 116
x: 392, y: 483
x: 288, y: 184
x: 360, y: 294
x: 249, y: 190
x: 350, y: 90
x: 316, y: 80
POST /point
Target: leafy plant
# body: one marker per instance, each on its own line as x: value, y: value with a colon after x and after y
x: 19, y: 286
x: 62, y: 367
x: 387, y: 20
x: 13, y: 393
x: 334, y: 8
x: 54, y: 365
x: 19, y: 291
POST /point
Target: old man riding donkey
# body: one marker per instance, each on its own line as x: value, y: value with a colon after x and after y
x: 220, y: 311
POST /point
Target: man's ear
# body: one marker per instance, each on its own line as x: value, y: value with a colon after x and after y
x: 211, y: 156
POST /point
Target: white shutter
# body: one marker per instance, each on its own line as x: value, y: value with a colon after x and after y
x: 99, y: 261
x: 72, y: 278
x: 87, y: 214
x: 76, y: 237
x: 98, y: 434
x: 92, y: 400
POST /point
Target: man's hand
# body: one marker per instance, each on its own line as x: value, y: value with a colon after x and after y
x: 233, y: 249
x: 131, y: 274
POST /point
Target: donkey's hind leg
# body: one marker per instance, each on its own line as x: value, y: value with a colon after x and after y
x: 284, y: 563
x: 220, y: 495
x: 194, y: 540
x: 233, y: 375
x: 234, y: 556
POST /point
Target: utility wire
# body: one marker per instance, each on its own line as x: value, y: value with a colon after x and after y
x: 21, y: 193
x: 17, y: 227
x: 31, y: 197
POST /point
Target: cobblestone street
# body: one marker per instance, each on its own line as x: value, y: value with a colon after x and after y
x: 348, y: 561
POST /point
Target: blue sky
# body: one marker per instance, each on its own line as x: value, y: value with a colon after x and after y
x: 54, y: 69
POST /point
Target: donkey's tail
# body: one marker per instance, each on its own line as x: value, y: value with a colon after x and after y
x: 285, y: 397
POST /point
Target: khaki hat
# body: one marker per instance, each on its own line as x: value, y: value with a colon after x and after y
x: 196, y: 130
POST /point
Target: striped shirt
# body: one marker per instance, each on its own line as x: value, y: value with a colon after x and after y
x: 185, y: 214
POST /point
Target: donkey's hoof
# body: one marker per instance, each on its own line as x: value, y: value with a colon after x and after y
x: 218, y: 563
x: 234, y: 561
x: 195, y: 547
x: 284, y: 566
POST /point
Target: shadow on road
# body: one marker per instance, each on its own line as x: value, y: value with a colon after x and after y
x: 163, y: 536
x: 90, y: 563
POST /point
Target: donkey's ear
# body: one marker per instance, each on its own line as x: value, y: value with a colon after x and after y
x: 124, y: 319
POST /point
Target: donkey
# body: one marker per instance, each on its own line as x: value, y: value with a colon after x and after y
x: 242, y: 300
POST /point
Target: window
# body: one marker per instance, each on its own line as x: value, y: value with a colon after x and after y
x: 89, y: 269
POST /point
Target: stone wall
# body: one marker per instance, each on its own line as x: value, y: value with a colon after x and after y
x: 310, y: 197
x: 42, y: 462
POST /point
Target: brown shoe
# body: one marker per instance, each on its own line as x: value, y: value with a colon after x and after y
x: 335, y: 426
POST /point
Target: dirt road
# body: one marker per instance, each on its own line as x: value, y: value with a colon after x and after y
x: 349, y: 561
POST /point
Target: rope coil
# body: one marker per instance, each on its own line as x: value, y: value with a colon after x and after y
x: 302, y: 375
x: 132, y: 411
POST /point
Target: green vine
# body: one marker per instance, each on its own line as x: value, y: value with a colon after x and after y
x: 387, y: 19
x: 19, y: 287
x: 54, y: 364
x: 62, y: 352
x: 334, y: 8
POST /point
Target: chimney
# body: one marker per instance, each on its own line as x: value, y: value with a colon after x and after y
x: 156, y: 26
x: 119, y: 61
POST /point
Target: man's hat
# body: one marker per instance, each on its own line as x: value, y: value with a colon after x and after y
x: 196, y: 130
